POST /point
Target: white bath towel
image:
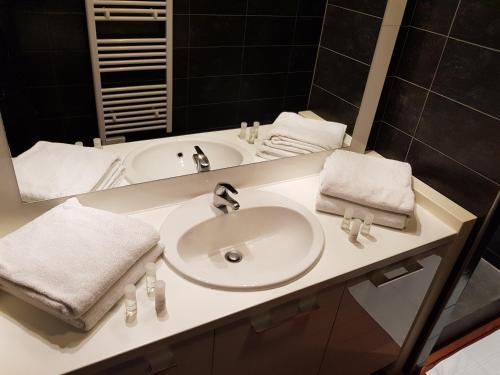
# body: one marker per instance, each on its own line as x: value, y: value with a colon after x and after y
x: 89, y: 319
x: 70, y: 256
x: 271, y: 153
x: 369, y: 181
x: 53, y: 170
x: 338, y: 206
x: 292, y: 128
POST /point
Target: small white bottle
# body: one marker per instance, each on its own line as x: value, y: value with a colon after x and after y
x: 97, y: 143
x: 160, y: 304
x: 130, y: 303
x: 353, y: 233
x: 150, y: 279
x: 256, y: 125
x: 251, y: 138
x: 243, y: 131
x: 346, y: 222
x: 367, y: 224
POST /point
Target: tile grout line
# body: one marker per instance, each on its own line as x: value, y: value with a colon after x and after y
x: 332, y: 94
x: 242, y: 63
x: 454, y: 38
x: 188, y: 85
x: 442, y: 153
x: 432, y: 81
x: 354, y: 11
x: 294, y: 35
x: 448, y: 98
x: 396, y: 68
x: 317, y: 54
x: 346, y: 56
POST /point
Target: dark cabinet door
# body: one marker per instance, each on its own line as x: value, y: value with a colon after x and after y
x: 375, y: 315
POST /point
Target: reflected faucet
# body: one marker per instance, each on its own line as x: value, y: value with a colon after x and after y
x: 222, y: 199
x: 200, y: 160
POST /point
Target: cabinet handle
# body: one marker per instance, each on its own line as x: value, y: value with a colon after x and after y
x: 379, y: 278
x: 263, y: 323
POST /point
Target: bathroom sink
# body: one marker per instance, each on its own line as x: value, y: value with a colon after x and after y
x: 269, y: 241
x: 165, y: 158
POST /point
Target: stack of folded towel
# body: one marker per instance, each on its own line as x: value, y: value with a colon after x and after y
x: 74, y: 261
x: 52, y: 170
x: 367, y: 184
x: 292, y: 134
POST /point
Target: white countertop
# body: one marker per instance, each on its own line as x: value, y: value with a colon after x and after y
x: 32, y: 342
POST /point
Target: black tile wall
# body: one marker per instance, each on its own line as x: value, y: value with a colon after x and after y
x: 251, y: 58
x: 231, y: 57
x: 442, y: 112
x: 349, y: 37
x: 47, y: 75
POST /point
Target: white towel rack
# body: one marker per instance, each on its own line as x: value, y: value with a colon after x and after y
x: 129, y: 109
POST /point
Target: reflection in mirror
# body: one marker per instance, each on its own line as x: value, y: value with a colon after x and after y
x: 100, y: 94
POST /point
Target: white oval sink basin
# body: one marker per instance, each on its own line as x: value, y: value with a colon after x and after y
x: 161, y: 159
x: 276, y: 238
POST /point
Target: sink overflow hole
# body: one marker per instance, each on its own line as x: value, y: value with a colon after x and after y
x: 180, y: 154
x: 233, y: 256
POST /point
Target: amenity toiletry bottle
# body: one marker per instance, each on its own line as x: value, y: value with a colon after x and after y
x: 251, y: 138
x: 367, y: 224
x: 97, y: 143
x: 346, y: 222
x: 160, y: 304
x: 150, y: 279
x: 130, y: 303
x: 256, y: 125
x: 353, y: 233
x: 243, y: 131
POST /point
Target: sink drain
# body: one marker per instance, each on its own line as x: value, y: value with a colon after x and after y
x: 233, y: 256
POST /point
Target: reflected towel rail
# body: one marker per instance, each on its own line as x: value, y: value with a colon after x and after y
x: 131, y: 108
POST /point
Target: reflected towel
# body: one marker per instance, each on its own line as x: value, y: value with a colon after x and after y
x: 293, y: 135
x: 53, y: 170
x: 338, y: 206
x: 369, y: 181
x: 69, y: 257
x: 292, y: 128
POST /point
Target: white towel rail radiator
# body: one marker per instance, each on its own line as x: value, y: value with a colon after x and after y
x: 128, y: 109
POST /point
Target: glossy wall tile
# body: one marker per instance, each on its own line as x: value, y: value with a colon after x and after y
x: 349, y: 37
x: 441, y: 112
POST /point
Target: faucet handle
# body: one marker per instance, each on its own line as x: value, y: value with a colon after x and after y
x: 221, y: 187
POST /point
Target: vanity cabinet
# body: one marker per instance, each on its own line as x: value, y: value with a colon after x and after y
x: 375, y: 315
x: 189, y: 357
x: 286, y: 340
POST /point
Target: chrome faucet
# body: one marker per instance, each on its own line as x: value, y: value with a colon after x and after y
x: 200, y: 160
x: 222, y: 199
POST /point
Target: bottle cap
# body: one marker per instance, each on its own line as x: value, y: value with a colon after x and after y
x: 151, y: 269
x: 130, y: 291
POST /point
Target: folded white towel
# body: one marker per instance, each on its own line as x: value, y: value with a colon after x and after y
x: 53, y: 170
x: 291, y: 128
x: 271, y: 153
x: 70, y: 256
x: 369, y: 181
x: 89, y: 319
x: 338, y: 206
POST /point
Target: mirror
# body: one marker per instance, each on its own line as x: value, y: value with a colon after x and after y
x: 97, y: 94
